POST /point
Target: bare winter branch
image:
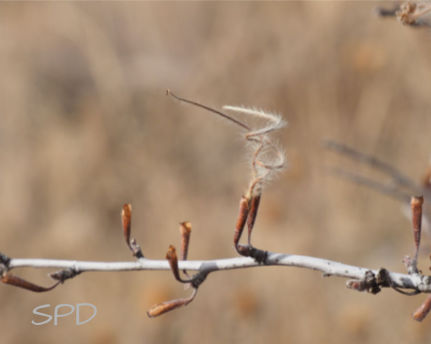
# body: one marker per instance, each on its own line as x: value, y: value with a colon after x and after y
x: 267, y: 159
x: 418, y: 282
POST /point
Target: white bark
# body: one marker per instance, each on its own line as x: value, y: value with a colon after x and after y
x: 327, y: 267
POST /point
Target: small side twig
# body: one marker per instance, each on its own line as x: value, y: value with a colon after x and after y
x: 387, y: 189
x: 395, y: 175
x: 195, y: 282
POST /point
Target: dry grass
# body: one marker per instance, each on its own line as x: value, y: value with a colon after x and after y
x: 85, y: 127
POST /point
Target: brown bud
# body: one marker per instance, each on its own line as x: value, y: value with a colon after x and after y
x: 423, y: 310
x: 356, y: 285
x: 171, y: 256
x: 165, y: 307
x: 168, y: 306
x: 255, y: 201
x: 416, y: 206
x: 126, y: 219
x: 22, y: 283
x: 185, y: 230
x: 242, y: 218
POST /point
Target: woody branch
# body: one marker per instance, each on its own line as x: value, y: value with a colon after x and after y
x: 327, y: 267
x: 266, y: 160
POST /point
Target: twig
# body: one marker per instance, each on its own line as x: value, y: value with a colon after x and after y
x: 327, y: 267
x: 373, y: 162
x: 263, y: 165
x: 386, y: 189
x: 412, y: 13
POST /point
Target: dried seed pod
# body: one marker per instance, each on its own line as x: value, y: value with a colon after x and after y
x: 126, y: 219
x: 171, y: 256
x: 168, y: 306
x: 164, y: 307
x: 185, y: 230
x: 423, y: 310
x: 416, y: 206
x: 22, y: 283
x: 255, y: 201
x: 242, y: 218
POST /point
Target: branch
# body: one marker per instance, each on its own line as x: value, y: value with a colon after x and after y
x: 396, y: 176
x: 415, y: 281
x: 411, y: 13
x: 266, y: 160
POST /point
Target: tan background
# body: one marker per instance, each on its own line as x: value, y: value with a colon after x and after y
x: 85, y: 126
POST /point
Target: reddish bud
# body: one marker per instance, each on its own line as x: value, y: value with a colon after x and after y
x: 423, y: 310
x: 171, y: 256
x: 165, y: 307
x: 185, y: 230
x: 416, y: 206
x: 126, y: 219
x: 255, y: 201
x: 241, y: 220
x: 22, y: 283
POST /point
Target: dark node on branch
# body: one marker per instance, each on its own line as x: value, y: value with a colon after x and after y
x: 368, y: 283
x: 64, y: 275
x: 260, y: 256
x: 19, y: 282
x: 199, y: 278
x: 4, y: 263
x: 126, y: 219
x: 373, y: 283
x: 4, y: 260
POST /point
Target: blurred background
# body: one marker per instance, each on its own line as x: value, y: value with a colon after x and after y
x: 86, y: 126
